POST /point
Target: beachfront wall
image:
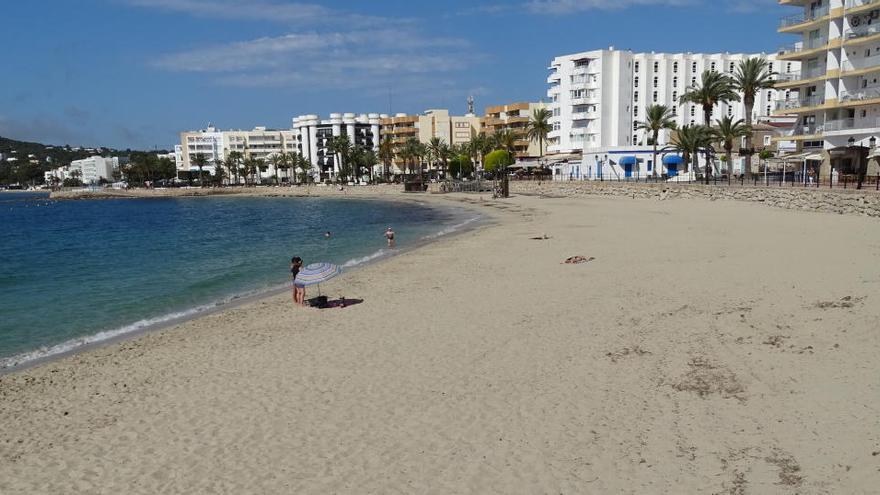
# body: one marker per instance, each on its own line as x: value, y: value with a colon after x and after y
x: 850, y: 201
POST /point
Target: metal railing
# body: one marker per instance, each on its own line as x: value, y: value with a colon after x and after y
x: 860, y: 63
x: 862, y: 94
x: 852, y: 4
x: 861, y: 33
x: 801, y: 75
x: 796, y: 19
x: 804, y: 45
x: 808, y: 101
x: 789, y: 179
x: 846, y: 124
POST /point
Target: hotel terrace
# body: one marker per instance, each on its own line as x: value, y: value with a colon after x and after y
x: 515, y: 117
x: 836, y: 94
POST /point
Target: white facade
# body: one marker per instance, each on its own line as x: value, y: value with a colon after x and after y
x: 95, y: 168
x: 313, y: 135
x: 598, y: 97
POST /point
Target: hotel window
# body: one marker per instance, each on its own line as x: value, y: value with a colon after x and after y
x: 636, y: 126
x: 675, y: 67
x: 767, y: 140
x: 731, y: 68
x: 693, y: 81
x: 636, y: 67
x: 656, y: 81
x: 788, y: 68
x: 675, y: 111
x: 654, y: 97
x: 675, y: 82
x: 556, y: 112
x: 693, y: 66
x: 635, y: 138
x: 693, y: 110
x: 712, y: 67
x: 636, y: 82
x: 674, y: 96
x: 636, y: 96
x: 635, y: 111
x: 656, y: 66
x: 730, y: 110
x: 768, y: 109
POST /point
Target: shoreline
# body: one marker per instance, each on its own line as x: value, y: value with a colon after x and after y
x: 11, y: 365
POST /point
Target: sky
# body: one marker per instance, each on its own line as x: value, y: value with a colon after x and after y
x: 135, y: 73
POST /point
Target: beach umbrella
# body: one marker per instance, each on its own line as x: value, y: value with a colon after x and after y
x: 316, y: 273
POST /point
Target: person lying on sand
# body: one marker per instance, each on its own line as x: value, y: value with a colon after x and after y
x: 576, y: 260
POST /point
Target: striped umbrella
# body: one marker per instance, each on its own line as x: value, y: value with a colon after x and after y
x: 316, y: 273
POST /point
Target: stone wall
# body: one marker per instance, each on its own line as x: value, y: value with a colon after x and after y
x: 840, y: 201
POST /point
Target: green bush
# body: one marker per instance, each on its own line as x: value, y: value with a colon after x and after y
x: 497, y: 160
x: 461, y: 166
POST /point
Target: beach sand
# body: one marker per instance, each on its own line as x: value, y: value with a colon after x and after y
x: 710, y: 347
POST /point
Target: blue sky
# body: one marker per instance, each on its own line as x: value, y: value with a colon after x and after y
x: 134, y: 73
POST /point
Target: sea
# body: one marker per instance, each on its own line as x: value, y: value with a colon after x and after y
x: 75, y: 273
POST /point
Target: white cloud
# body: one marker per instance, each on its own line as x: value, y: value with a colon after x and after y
x: 263, y: 10
x: 570, y: 6
x: 336, y: 60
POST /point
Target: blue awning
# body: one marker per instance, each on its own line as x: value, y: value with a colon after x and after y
x: 628, y: 160
x: 672, y: 160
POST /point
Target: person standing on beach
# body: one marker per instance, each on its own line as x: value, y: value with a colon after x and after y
x: 299, y: 293
x: 389, y: 236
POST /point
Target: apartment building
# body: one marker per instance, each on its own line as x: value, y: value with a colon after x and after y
x: 836, y: 93
x: 515, y: 117
x: 435, y: 123
x: 95, y: 168
x: 598, y: 97
x: 214, y: 144
x: 313, y: 137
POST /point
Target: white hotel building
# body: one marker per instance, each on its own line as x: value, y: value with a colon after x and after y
x: 313, y: 136
x: 598, y: 97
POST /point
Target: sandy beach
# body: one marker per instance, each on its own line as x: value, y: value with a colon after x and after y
x: 709, y: 347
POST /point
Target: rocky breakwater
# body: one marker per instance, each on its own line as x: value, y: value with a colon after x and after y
x: 845, y: 202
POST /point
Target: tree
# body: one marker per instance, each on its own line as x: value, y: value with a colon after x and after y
x: 369, y: 161
x: 462, y: 164
x: 714, y: 88
x: 219, y: 173
x: 304, y: 165
x: 752, y: 75
x: 539, y: 127
x: 657, y: 118
x: 340, y: 147
x: 200, y: 161
x: 412, y: 153
x: 434, y: 149
x: 234, y: 163
x: 497, y: 160
x: 506, y: 140
x: 689, y: 141
x: 386, y: 156
x: 726, y: 132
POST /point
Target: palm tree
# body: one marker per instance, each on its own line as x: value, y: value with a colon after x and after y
x: 538, y: 128
x: 412, y: 150
x: 275, y: 160
x: 506, y: 139
x: 435, y: 149
x: 233, y: 163
x: 689, y: 141
x: 657, y: 118
x: 727, y: 131
x: 715, y: 88
x: 386, y: 155
x: 200, y: 161
x: 340, y: 147
x: 751, y: 76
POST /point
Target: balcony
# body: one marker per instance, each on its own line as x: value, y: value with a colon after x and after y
x: 801, y: 75
x: 578, y: 131
x: 803, y: 46
x: 859, y: 4
x: 864, y: 96
x: 794, y: 104
x: 861, y: 64
x: 851, y: 124
x: 856, y: 36
x: 807, y: 130
x: 798, y: 19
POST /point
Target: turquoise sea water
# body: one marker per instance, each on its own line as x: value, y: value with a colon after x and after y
x: 73, y: 272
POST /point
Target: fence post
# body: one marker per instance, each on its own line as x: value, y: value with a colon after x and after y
x: 877, y: 183
x: 844, y: 181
